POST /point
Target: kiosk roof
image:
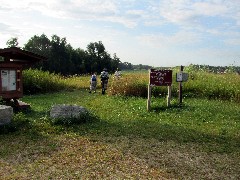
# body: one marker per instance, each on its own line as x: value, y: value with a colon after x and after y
x: 16, y: 54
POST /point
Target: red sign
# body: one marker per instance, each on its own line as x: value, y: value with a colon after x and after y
x: 160, y: 77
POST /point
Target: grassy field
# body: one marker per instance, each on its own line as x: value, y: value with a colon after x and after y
x: 199, y: 140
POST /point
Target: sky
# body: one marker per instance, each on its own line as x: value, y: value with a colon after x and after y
x: 149, y: 32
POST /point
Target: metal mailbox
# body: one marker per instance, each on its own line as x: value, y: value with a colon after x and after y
x: 181, y: 77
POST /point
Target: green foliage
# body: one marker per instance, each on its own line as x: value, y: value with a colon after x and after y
x: 125, y: 66
x: 141, y: 67
x: 13, y: 42
x: 37, y: 81
x: 64, y: 59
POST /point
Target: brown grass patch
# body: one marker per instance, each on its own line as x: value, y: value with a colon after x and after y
x: 75, y: 158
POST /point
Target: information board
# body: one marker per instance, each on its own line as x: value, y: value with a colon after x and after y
x: 8, y: 78
x: 160, y: 77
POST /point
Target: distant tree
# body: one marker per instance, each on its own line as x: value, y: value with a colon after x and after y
x: 126, y: 66
x: 13, y: 42
x: 115, y: 62
x: 40, y: 45
x: 64, y: 59
x: 76, y: 59
x: 98, y: 58
x: 60, y: 56
x: 141, y: 66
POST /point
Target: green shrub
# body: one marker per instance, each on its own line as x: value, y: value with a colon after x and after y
x: 37, y: 81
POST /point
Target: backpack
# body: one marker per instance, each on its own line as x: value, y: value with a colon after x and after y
x: 104, y: 75
x: 94, y: 78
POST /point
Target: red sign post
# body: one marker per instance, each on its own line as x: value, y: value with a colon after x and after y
x: 159, y: 78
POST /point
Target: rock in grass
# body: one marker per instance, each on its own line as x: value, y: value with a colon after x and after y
x: 69, y: 114
x: 6, y: 114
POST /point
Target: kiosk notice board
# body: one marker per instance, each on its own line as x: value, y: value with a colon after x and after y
x: 8, y: 78
x: 13, y: 61
x: 10, y: 81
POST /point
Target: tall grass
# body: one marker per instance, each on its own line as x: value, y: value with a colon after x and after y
x: 37, y: 81
x: 131, y: 84
x: 199, y: 84
x: 216, y: 86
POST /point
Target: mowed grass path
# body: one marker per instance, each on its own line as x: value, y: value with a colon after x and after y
x: 200, y: 140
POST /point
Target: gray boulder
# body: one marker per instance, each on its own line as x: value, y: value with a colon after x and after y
x: 67, y: 111
x: 6, y: 114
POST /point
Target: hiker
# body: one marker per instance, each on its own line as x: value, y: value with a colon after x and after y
x: 117, y: 74
x: 104, y: 80
x: 93, y: 83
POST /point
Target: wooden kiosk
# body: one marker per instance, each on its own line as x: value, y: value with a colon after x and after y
x: 11, y: 66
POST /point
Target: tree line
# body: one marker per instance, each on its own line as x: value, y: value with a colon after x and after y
x: 64, y: 59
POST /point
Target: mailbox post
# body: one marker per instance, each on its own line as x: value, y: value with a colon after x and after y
x: 181, y: 77
x: 180, y: 87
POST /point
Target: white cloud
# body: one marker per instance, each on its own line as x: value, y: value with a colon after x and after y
x: 184, y: 12
x: 121, y: 25
x: 181, y: 38
x: 209, y: 8
x: 7, y: 29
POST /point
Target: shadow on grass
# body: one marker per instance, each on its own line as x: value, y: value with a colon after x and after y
x: 23, y: 136
x: 174, y: 106
x: 161, y: 132
x: 109, y: 131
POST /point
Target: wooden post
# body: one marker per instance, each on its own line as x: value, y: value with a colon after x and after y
x: 149, y: 97
x: 180, y: 87
x: 149, y: 93
x: 169, y: 95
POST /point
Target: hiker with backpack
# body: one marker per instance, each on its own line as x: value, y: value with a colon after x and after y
x: 93, y: 83
x: 117, y: 74
x: 104, y: 80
